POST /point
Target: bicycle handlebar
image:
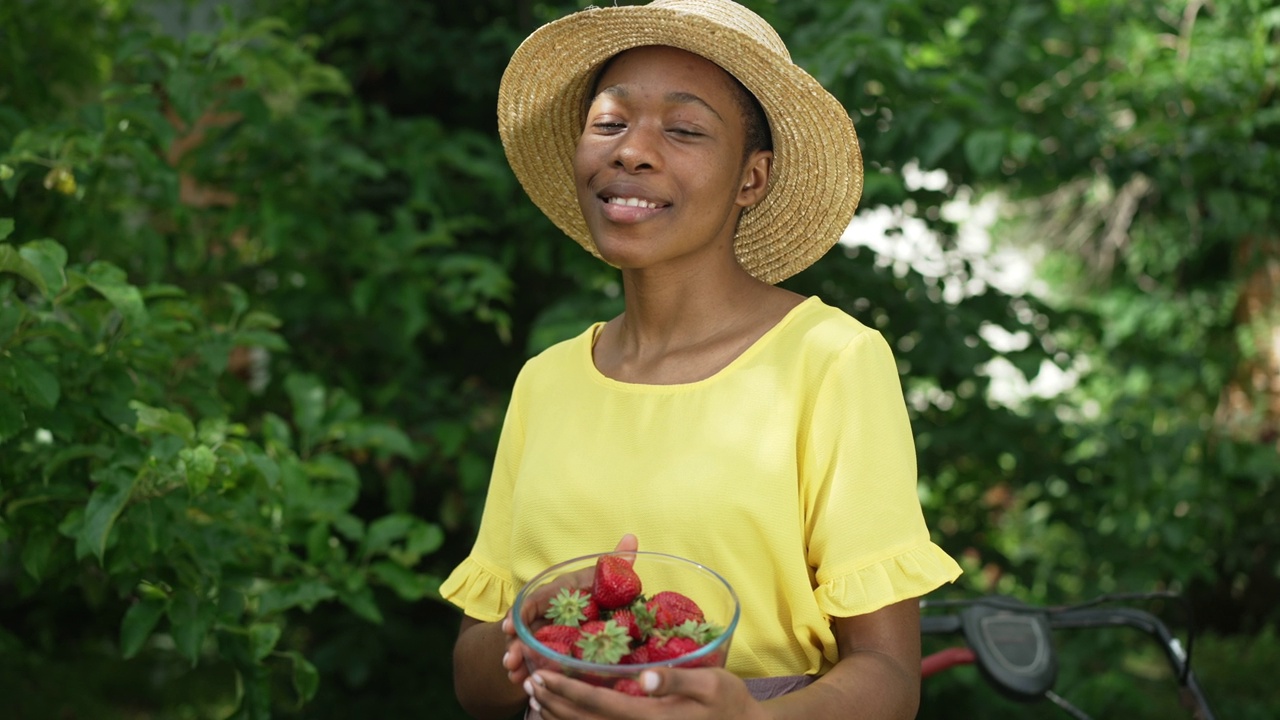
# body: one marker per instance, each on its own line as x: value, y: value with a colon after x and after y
x: 1068, y: 618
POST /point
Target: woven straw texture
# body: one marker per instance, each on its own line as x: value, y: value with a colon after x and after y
x: 816, y: 180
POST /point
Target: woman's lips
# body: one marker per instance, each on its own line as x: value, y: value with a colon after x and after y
x: 630, y: 209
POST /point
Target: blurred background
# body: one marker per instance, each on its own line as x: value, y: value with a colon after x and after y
x: 266, y: 279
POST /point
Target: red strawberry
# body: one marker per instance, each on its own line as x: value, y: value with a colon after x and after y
x: 602, y: 641
x: 556, y: 646
x: 616, y: 583
x: 639, y: 656
x: 572, y: 607
x: 627, y: 619
x: 670, y: 609
x: 630, y: 687
x: 662, y: 649
x: 548, y: 634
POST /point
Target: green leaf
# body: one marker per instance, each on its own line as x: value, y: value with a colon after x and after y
x: 50, y: 260
x: 938, y: 143
x: 12, y: 261
x: 305, y: 594
x: 12, y: 419
x: 407, y: 584
x: 380, y: 436
x: 360, y: 600
x: 190, y: 619
x: 333, y: 487
x: 262, y: 639
x: 36, y: 551
x: 199, y: 463
x: 115, y: 486
x: 6, y: 227
x: 139, y: 620
x: 37, y: 383
x: 258, y: 320
x: 159, y: 420
x: 424, y: 539
x: 112, y: 283
x: 10, y: 319
x: 265, y: 466
x: 70, y: 453
x: 306, y: 679
x: 386, y: 530
x: 308, y: 398
x: 984, y: 149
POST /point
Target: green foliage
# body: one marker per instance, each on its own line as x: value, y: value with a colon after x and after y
x: 124, y: 472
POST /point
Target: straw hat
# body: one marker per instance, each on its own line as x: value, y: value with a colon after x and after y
x: 816, y: 179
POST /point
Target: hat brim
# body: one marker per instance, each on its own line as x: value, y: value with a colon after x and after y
x: 816, y: 178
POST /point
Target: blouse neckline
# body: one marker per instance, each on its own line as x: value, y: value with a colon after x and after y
x: 754, y: 348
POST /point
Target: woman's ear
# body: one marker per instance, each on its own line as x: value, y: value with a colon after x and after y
x: 755, y: 178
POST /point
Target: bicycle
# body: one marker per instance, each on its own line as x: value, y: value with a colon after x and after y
x: 1011, y: 643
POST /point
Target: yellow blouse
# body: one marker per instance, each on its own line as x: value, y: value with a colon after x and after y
x: 791, y: 472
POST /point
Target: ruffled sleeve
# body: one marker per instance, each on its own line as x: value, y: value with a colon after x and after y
x: 481, y: 593
x: 909, y: 574
x: 481, y: 584
x: 866, y: 537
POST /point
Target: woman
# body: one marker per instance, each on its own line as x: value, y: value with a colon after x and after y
x: 719, y: 417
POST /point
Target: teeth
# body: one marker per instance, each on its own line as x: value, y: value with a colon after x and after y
x: 632, y: 202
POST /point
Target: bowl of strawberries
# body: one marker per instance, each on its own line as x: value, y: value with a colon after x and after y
x: 604, y: 618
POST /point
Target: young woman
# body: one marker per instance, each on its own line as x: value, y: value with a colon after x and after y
x: 719, y: 417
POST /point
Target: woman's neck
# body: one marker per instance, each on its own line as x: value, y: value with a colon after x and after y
x: 677, y: 331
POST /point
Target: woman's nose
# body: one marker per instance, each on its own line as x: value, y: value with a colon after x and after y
x: 635, y: 150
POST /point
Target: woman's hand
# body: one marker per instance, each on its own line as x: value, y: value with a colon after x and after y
x: 513, y: 659
x: 687, y: 694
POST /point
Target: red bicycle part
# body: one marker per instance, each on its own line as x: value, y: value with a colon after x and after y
x: 944, y: 659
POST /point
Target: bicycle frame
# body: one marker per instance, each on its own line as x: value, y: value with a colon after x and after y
x: 1009, y: 642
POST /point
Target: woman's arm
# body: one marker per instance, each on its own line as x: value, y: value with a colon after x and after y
x: 878, y: 673
x: 485, y: 679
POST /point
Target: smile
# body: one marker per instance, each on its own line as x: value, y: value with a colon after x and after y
x: 631, y: 202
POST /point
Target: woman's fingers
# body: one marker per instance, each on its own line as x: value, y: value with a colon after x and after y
x: 701, y: 685
x: 628, y: 543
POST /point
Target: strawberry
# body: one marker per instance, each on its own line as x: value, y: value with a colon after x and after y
x: 628, y: 686
x: 556, y: 646
x: 663, y: 649
x: 602, y: 641
x: 548, y: 634
x: 627, y: 619
x: 616, y: 583
x: 670, y: 609
x: 572, y: 607
x: 639, y: 656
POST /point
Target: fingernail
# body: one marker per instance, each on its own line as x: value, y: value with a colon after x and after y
x: 649, y: 680
x: 506, y: 657
x: 506, y: 624
x: 533, y: 703
x: 537, y: 679
x: 528, y: 688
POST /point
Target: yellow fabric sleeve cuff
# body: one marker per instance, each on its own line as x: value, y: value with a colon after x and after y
x: 912, y: 573
x: 481, y: 593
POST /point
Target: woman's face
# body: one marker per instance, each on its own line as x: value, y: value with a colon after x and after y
x: 659, y: 167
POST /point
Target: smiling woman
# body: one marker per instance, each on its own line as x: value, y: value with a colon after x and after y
x: 719, y: 418
x: 660, y: 168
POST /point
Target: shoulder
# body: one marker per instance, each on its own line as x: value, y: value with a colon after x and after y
x: 563, y: 359
x: 822, y: 331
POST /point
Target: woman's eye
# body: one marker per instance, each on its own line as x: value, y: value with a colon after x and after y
x: 686, y: 132
x: 608, y: 125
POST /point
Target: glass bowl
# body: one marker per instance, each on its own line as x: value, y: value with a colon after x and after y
x: 658, y: 572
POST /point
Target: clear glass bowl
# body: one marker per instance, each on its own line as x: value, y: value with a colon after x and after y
x: 658, y: 572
